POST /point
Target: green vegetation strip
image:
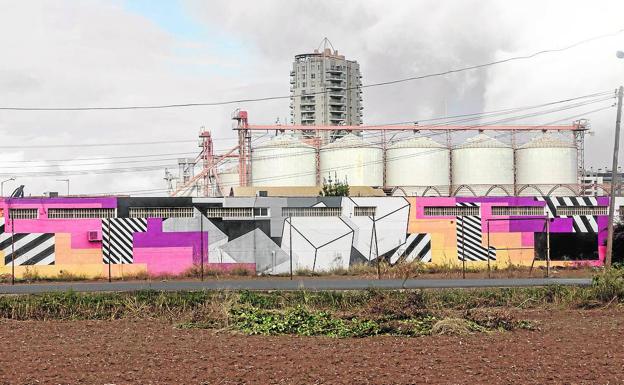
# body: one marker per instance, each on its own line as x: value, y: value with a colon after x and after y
x: 325, y: 313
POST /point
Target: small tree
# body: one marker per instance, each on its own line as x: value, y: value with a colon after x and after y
x: 335, y: 187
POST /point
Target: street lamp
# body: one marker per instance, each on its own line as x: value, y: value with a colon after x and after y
x: 2, y: 185
x: 66, y: 181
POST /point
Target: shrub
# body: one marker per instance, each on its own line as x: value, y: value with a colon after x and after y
x: 609, y: 285
x: 300, y: 321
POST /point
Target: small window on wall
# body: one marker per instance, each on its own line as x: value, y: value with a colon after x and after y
x: 229, y: 212
x: 363, y: 211
x: 260, y: 212
x: 311, y: 211
x: 81, y: 213
x: 161, y: 212
x: 582, y: 210
x: 24, y: 213
x: 453, y: 211
x: 518, y: 210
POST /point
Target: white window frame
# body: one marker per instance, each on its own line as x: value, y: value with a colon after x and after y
x: 27, y: 213
x: 452, y: 211
x: 81, y: 213
x: 261, y: 212
x: 582, y: 210
x: 160, y: 212
x: 364, y: 211
x: 311, y: 211
x: 229, y: 212
x: 518, y: 210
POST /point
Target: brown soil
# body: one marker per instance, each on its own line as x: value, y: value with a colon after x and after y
x: 572, y: 347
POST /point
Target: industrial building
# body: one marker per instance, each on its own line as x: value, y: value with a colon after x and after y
x: 126, y: 236
x: 598, y: 182
x: 421, y: 160
x: 325, y: 89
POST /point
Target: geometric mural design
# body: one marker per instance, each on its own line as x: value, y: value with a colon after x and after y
x: 470, y: 237
x: 30, y: 248
x: 400, y: 231
x: 581, y: 223
x: 417, y: 247
x: 470, y: 240
x: 117, y: 239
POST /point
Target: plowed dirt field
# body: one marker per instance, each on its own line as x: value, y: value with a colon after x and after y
x: 571, y: 347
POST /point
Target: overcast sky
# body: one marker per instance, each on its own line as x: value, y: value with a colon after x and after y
x: 103, y: 53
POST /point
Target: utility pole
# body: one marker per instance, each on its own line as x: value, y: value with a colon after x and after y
x: 614, y: 175
x: 201, y: 243
x: 290, y: 246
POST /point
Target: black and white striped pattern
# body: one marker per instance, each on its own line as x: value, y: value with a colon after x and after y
x: 469, y: 238
x: 117, y: 243
x: 30, y: 248
x: 416, y: 247
x: 580, y: 223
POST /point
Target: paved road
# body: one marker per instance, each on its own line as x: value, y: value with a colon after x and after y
x: 297, y: 284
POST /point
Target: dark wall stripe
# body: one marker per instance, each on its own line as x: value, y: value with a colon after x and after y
x: 41, y: 256
x: 7, y: 243
x: 28, y: 247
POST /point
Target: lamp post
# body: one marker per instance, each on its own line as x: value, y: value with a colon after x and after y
x: 66, y: 181
x: 2, y: 185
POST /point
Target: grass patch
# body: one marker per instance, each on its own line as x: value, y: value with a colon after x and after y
x: 300, y: 321
x: 329, y: 313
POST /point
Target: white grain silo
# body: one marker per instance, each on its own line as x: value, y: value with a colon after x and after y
x: 545, y: 162
x: 283, y: 161
x: 228, y: 178
x: 353, y: 159
x: 418, y: 165
x: 482, y: 162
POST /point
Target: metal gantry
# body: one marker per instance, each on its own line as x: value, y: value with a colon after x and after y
x: 242, y: 152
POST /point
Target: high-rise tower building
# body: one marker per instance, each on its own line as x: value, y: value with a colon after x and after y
x: 325, y: 89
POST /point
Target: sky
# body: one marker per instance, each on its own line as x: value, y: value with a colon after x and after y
x: 116, y: 52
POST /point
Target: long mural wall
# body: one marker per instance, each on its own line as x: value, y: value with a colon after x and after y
x: 171, y: 236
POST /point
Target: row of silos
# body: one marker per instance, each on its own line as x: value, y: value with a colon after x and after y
x: 286, y: 161
x: 416, y: 163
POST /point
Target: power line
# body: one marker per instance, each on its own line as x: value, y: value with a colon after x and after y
x: 101, y: 158
x: 545, y: 125
x: 97, y: 144
x: 430, y: 151
x: 476, y: 114
x: 470, y: 127
x: 86, y: 172
x: 91, y: 164
x: 377, y: 84
x: 159, y: 167
x: 73, y: 145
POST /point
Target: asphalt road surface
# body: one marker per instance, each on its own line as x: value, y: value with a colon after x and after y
x: 285, y: 284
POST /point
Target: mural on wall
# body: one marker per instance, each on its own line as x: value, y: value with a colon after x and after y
x: 28, y: 248
x: 174, y: 235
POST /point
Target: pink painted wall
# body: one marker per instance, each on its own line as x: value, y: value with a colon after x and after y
x: 165, y: 260
x: 78, y: 228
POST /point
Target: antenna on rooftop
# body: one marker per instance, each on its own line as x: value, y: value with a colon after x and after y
x: 325, y: 43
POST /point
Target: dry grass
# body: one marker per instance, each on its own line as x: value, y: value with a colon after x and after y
x: 451, y: 327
